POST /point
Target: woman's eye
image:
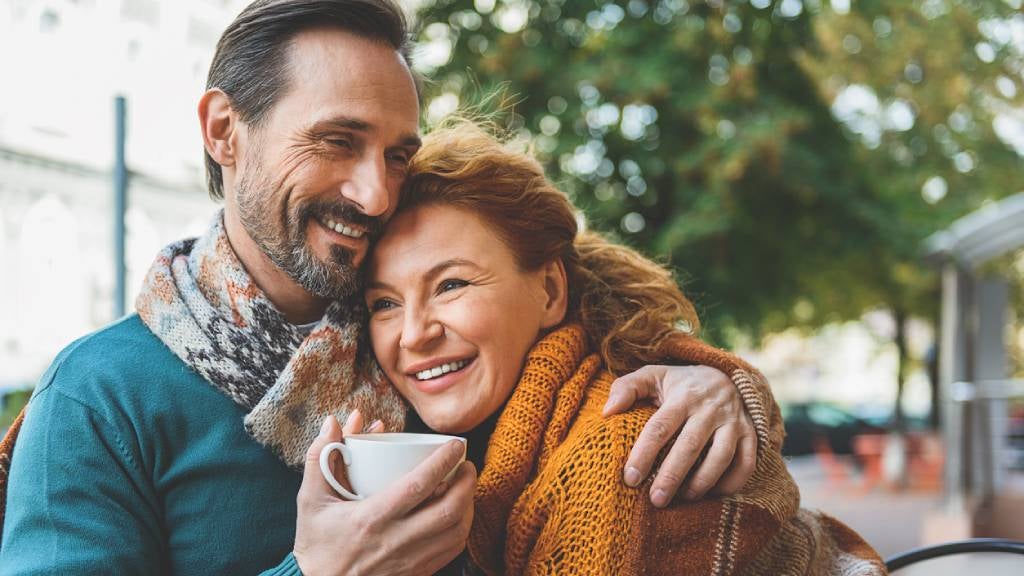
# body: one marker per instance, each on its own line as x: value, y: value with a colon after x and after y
x: 451, y: 284
x: 381, y: 305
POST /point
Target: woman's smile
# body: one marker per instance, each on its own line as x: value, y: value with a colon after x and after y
x: 441, y: 376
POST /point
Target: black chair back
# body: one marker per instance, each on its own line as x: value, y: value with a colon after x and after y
x: 970, y: 546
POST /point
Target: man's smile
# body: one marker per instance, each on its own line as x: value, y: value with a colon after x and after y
x: 340, y: 228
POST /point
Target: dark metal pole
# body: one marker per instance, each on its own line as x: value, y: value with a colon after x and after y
x: 120, y: 206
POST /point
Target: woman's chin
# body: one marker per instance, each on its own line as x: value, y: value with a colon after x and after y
x: 448, y: 423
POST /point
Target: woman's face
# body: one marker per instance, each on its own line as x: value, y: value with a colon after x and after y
x: 452, y: 316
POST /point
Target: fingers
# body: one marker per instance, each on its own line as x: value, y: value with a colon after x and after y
x: 707, y: 402
x: 625, y: 391
x: 450, y: 509
x: 419, y: 484
x: 680, y: 459
x: 449, y: 553
x: 717, y: 461
x: 655, y: 435
x: 354, y: 423
x: 314, y: 485
x: 744, y: 463
x: 443, y: 524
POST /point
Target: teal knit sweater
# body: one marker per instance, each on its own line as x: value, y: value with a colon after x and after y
x: 130, y: 463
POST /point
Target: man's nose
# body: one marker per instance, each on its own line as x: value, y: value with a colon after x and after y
x: 367, y: 186
x: 419, y: 331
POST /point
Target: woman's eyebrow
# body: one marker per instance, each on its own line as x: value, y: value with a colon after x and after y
x: 441, y: 267
x: 434, y: 271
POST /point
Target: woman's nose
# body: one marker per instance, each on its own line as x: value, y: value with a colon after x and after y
x: 419, y: 331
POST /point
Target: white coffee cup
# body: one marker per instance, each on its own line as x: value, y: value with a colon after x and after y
x: 373, y: 461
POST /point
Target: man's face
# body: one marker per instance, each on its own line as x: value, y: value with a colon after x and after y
x: 319, y: 177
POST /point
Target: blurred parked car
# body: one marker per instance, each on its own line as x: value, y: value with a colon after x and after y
x: 807, y: 424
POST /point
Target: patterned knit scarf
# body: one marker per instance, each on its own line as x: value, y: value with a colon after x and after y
x: 199, y: 300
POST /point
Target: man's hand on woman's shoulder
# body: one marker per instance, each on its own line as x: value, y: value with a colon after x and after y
x: 716, y: 449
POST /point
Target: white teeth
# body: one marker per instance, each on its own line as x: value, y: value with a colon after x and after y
x: 342, y: 229
x: 436, y: 371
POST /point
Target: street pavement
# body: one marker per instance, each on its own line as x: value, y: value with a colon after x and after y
x: 891, y: 521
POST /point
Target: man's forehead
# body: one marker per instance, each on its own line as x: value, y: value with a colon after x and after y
x: 332, y: 53
x: 335, y: 74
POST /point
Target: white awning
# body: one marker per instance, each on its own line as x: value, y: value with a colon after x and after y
x: 982, y: 235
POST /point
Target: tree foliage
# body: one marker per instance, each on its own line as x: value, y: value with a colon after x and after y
x: 714, y: 133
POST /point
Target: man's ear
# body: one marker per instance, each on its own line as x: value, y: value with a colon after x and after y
x: 219, y: 124
x: 556, y: 290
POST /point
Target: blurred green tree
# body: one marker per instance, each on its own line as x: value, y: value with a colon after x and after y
x: 932, y: 91
x: 11, y: 403
x: 787, y: 156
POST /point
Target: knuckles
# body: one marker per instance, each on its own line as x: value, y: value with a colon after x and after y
x: 448, y: 516
x: 668, y: 478
x: 691, y: 444
x: 658, y: 430
x: 416, y: 490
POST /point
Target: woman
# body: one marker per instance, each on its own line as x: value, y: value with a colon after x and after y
x: 496, y: 318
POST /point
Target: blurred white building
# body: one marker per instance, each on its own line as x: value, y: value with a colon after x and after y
x: 852, y: 364
x: 62, y: 64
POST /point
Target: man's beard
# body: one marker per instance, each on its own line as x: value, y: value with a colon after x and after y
x: 334, y: 279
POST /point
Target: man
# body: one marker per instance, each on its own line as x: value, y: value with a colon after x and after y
x: 133, y: 456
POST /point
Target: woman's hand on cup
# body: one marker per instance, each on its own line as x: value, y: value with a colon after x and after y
x: 704, y: 407
x: 415, y: 526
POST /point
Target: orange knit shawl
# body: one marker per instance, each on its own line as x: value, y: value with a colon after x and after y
x: 550, y: 499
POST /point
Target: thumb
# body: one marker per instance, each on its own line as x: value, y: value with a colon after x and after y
x: 627, y: 390
x: 313, y: 483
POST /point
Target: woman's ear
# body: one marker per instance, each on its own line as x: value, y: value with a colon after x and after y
x: 219, y: 125
x: 556, y: 291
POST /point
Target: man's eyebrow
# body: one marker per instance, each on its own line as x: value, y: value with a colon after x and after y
x: 412, y: 140
x: 343, y: 122
x: 435, y: 271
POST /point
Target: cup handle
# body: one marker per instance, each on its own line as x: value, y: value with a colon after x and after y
x: 325, y: 468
